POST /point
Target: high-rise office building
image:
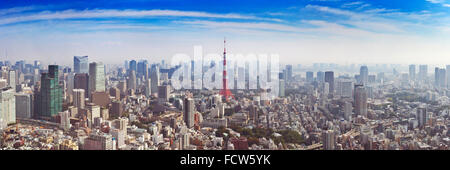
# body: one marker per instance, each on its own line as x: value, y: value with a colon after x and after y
x: 423, y: 72
x: 80, y: 64
x: 94, y: 111
x: 348, y: 111
x: 282, y: 88
x: 154, y: 79
x: 133, y: 65
x: 96, y: 77
x: 148, y: 88
x: 288, y: 72
x: 122, y: 87
x: 126, y: 65
x: 65, y: 120
x: 79, y: 98
x: 440, y: 77
x: 412, y: 72
x: 422, y: 116
x: 116, y: 109
x: 7, y: 105
x: 360, y: 100
x: 142, y: 69
x: 70, y: 82
x: 364, y: 75
x: 436, y: 76
x: 188, y: 109
x: 131, y: 81
x: 51, y: 94
x: 345, y: 88
x: 164, y: 93
x: 329, y: 78
x: 81, y: 81
x: 24, y: 105
x: 328, y: 140
x: 447, y: 68
x: 114, y: 92
x: 309, y: 76
x: 12, y: 79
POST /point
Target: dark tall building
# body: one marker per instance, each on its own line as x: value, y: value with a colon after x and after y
x: 81, y: 64
x: 51, y: 94
x: 422, y: 116
x: 116, y: 109
x: 133, y: 65
x: 188, y: 109
x: 329, y: 78
x: 81, y: 81
x: 142, y: 68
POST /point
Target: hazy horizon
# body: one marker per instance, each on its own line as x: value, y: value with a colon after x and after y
x: 304, y: 32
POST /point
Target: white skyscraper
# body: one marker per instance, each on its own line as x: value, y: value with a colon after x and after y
x: 148, y: 88
x: 78, y: 98
x: 360, y: 100
x: 348, y: 111
x: 8, y: 105
x: 12, y: 79
x: 96, y: 77
x: 65, y: 120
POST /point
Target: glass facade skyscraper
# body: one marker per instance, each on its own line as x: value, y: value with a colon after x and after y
x: 80, y: 64
x: 96, y: 77
x: 51, y: 93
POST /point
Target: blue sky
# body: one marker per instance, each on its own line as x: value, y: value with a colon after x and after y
x: 300, y: 31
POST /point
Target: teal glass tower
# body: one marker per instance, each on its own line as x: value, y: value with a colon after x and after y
x: 50, y: 94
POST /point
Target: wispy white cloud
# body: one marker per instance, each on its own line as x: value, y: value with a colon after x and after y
x: 350, y: 4
x: 383, y: 20
x: 312, y: 27
x: 100, y: 13
x: 16, y: 10
x: 331, y: 10
x: 243, y: 25
x: 444, y: 3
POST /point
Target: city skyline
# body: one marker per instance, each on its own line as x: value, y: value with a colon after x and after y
x: 310, y: 31
x: 213, y: 75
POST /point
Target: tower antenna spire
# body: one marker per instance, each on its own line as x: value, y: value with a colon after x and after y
x: 225, y: 92
x: 224, y: 45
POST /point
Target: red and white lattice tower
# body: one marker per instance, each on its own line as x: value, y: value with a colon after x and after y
x: 225, y: 92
